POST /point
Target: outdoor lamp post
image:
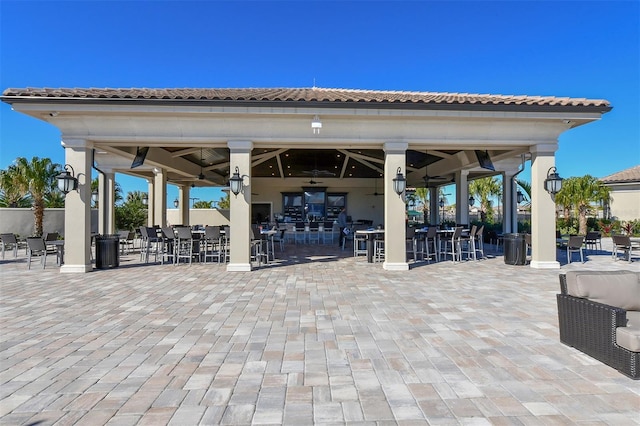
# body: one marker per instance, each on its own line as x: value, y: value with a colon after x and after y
x: 236, y: 183
x: 553, y: 182
x: 145, y: 199
x: 399, y: 182
x: 472, y: 201
x: 67, y: 182
x: 176, y: 203
x: 95, y: 196
x: 441, y: 203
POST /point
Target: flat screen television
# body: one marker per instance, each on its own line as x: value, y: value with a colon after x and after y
x: 485, y: 160
x: 141, y: 154
x: 335, y: 200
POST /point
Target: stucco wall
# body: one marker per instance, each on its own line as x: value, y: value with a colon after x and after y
x: 625, y: 202
x: 21, y: 221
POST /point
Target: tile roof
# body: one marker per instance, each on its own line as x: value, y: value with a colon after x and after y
x: 628, y: 175
x: 314, y: 94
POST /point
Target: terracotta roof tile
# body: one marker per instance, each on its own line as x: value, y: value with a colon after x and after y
x: 629, y: 175
x: 301, y: 95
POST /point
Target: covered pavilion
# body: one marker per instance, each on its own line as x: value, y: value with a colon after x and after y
x: 285, y: 140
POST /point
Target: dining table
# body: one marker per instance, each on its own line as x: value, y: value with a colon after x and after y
x: 59, y: 245
x: 371, y: 235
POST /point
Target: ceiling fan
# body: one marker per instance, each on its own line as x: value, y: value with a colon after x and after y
x: 375, y: 190
x: 427, y: 179
x: 201, y: 176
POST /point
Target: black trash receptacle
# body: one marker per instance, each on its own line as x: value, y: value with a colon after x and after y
x: 107, y: 251
x: 515, y: 249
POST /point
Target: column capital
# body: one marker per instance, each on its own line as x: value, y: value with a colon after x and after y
x: 75, y: 143
x: 548, y: 148
x: 395, y: 147
x: 240, y: 146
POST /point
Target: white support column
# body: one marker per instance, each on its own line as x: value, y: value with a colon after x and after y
x: 434, y: 215
x: 183, y: 204
x: 107, y: 202
x: 159, y: 197
x: 77, y: 209
x: 150, y: 203
x: 102, y: 204
x: 509, y: 207
x: 543, y: 209
x: 462, y: 197
x: 240, y: 207
x: 394, y: 208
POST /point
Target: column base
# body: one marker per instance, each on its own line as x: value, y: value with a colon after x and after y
x: 75, y: 269
x: 404, y: 266
x: 239, y: 267
x: 538, y: 264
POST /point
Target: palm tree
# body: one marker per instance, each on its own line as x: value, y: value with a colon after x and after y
x: 225, y: 202
x: 422, y: 196
x: 39, y: 180
x: 483, y: 189
x: 11, y: 189
x: 580, y: 193
x: 526, y: 186
x: 95, y: 183
x: 203, y: 204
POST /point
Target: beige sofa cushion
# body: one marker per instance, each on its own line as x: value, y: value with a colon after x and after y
x: 629, y: 337
x: 614, y: 288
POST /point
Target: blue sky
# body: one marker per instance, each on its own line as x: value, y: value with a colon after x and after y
x: 585, y: 49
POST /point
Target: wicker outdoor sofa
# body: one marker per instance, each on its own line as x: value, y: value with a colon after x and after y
x: 599, y: 314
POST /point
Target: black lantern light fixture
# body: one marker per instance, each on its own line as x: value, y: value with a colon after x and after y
x: 176, y: 203
x: 399, y: 182
x: 95, y: 196
x: 472, y: 200
x: 145, y: 199
x: 67, y: 181
x: 519, y: 196
x: 553, y: 182
x: 236, y: 182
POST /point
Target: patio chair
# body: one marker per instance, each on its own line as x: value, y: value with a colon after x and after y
x: 150, y: 242
x: 479, y: 243
x: 211, y: 244
x: 300, y: 234
x: 167, y: 249
x: 259, y: 246
x: 279, y: 237
x: 327, y: 233
x: 359, y: 243
x: 36, y: 247
x: 431, y: 244
x: 314, y: 232
x: 126, y: 241
x: 592, y: 240
x: 452, y: 245
x: 575, y: 245
x: 468, y: 243
x: 9, y: 242
x: 378, y: 248
x: 183, y: 244
x: 623, y: 244
x: 415, y: 243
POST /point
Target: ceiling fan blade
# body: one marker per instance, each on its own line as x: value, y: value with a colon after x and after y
x: 316, y: 173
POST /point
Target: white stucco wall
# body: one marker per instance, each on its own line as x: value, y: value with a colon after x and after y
x: 625, y: 202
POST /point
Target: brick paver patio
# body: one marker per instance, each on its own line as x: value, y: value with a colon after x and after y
x: 319, y: 338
